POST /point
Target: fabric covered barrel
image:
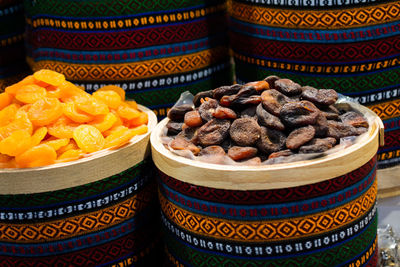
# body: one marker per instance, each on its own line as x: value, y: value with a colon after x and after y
x: 12, y: 51
x: 352, y: 46
x: 320, y: 212
x: 155, y: 50
x: 97, y: 211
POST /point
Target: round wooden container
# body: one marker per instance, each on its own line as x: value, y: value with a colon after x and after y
x: 319, y: 212
x: 99, y: 210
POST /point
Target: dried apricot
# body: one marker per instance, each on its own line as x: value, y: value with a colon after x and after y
x: 38, y: 136
x: 49, y: 77
x: 104, y: 122
x: 114, y: 88
x: 72, y: 154
x: 12, y: 89
x: 75, y: 114
x: 45, y: 111
x: 127, y: 113
x: 63, y: 127
x: 53, y: 91
x: 7, y: 114
x: 91, y: 105
x: 21, y: 122
x: 88, y: 138
x: 70, y: 146
x: 57, y: 143
x: 111, y: 98
x: 30, y: 93
x: 70, y: 92
x: 142, y: 119
x: 123, y: 135
x: 36, y: 156
x: 5, y: 100
x: 16, y: 143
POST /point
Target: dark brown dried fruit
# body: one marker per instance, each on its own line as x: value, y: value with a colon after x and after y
x: 273, y: 101
x: 245, y: 131
x: 324, y: 97
x: 197, y: 98
x: 249, y: 112
x: 224, y: 113
x: 212, y: 154
x: 177, y: 113
x: 251, y: 162
x: 271, y: 140
x: 299, y: 137
x: 271, y: 81
x: 287, y: 87
x: 213, y: 132
x: 259, y: 85
x: 174, y: 127
x: 282, y: 153
x: 189, y: 134
x: 318, y: 145
x: 321, y: 126
x: 226, y: 90
x: 193, y: 119
x: 180, y: 143
x: 241, y: 153
x: 355, y: 119
x: 297, y: 114
x: 330, y: 112
x: 267, y: 119
x: 207, y: 108
x: 338, y: 130
x: 246, y: 95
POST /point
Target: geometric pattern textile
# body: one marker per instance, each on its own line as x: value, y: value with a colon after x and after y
x: 352, y: 47
x: 12, y: 52
x: 336, y: 226
x: 110, y: 221
x: 154, y: 50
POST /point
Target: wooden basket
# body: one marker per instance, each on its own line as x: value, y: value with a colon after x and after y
x: 317, y: 212
x: 99, y: 210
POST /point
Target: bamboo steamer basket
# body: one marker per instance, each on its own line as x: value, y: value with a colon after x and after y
x: 98, y: 210
x: 317, y: 212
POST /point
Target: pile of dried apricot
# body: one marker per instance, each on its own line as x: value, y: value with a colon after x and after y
x: 45, y: 119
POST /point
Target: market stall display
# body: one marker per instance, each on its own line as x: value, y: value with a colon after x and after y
x: 319, y: 212
x: 100, y: 209
x: 351, y: 46
x: 154, y: 50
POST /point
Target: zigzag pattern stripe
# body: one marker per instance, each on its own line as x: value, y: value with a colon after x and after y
x: 273, y: 229
x: 317, y: 19
x: 119, y: 72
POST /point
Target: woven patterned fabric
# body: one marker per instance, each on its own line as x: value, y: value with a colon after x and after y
x: 12, y: 52
x: 305, y: 226
x: 350, y: 46
x: 108, y: 222
x: 155, y: 50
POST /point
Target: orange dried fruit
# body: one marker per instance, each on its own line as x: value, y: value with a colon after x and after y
x: 88, y: 138
x: 110, y: 98
x: 30, y: 93
x: 8, y: 113
x: 12, y: 89
x: 38, y: 136
x: 36, y: 156
x: 5, y: 158
x: 119, y: 121
x: 63, y: 127
x: 142, y: 119
x: 5, y: 100
x: 69, y: 92
x: 117, y: 89
x: 54, y: 91
x: 127, y: 112
x: 45, y: 111
x: 57, y: 143
x: 75, y: 114
x: 122, y: 135
x: 104, y: 122
x: 49, y: 77
x: 132, y: 104
x: 16, y: 143
x: 70, y: 146
x: 21, y: 122
x: 91, y: 105
x: 72, y: 154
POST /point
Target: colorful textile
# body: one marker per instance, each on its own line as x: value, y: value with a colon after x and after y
x: 12, y: 52
x: 108, y: 222
x: 154, y: 50
x: 305, y: 226
x: 350, y: 46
